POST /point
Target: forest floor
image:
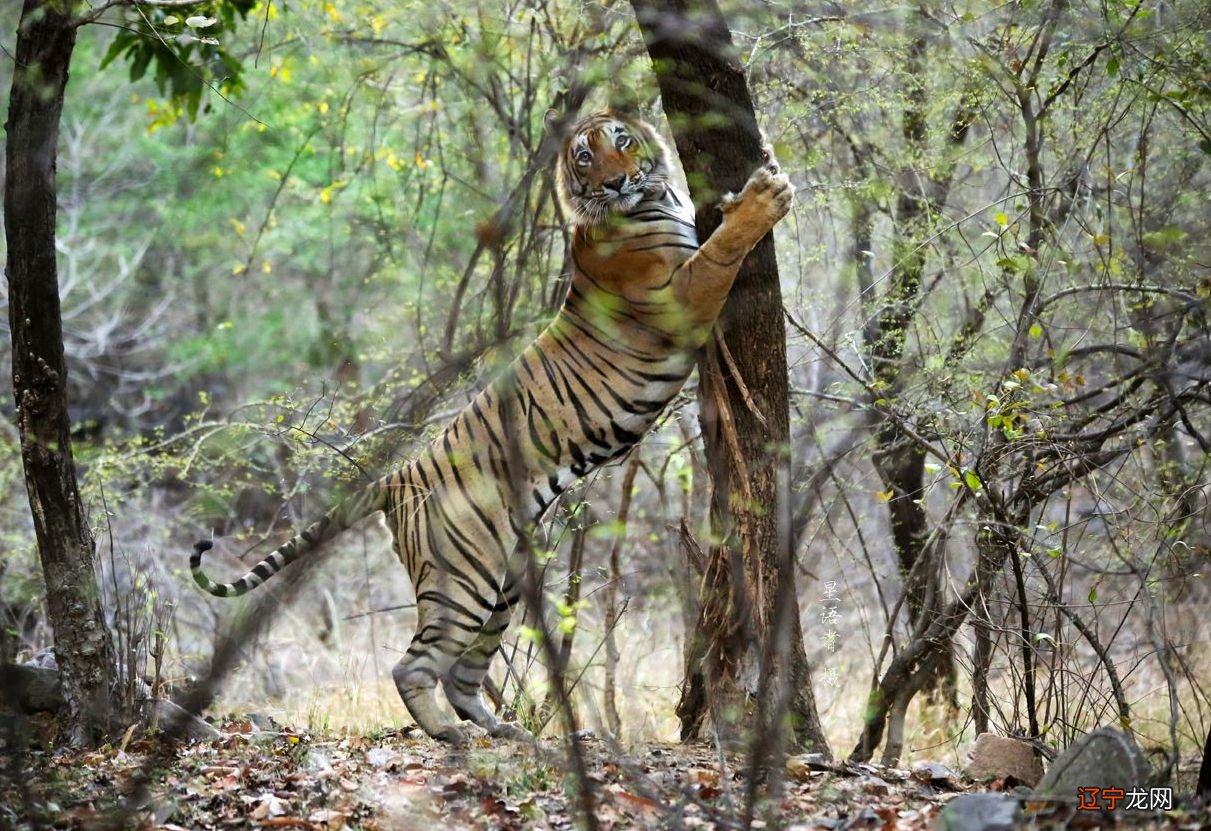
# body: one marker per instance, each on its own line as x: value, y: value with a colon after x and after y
x: 251, y: 778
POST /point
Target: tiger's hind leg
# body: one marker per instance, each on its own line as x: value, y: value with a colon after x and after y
x: 454, y: 644
x: 444, y: 631
x: 463, y: 685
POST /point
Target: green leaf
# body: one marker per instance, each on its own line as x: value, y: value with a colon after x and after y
x: 1036, y: 331
x: 183, y: 68
x: 1163, y: 239
x: 120, y: 44
x: 972, y: 480
x: 1014, y: 264
x: 1093, y: 595
x: 1112, y: 66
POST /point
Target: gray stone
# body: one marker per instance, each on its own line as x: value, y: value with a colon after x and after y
x: 1103, y: 758
x: 934, y: 774
x: 981, y: 812
x: 998, y: 757
x: 183, y: 722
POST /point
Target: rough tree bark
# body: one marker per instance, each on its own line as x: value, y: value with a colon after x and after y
x: 1203, y: 788
x: 46, y: 37
x: 747, y: 665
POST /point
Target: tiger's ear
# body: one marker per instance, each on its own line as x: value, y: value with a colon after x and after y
x: 624, y: 103
x: 555, y: 121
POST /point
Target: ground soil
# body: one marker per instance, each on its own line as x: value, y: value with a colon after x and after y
x: 251, y: 777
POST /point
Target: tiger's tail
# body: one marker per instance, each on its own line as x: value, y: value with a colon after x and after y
x: 325, y: 528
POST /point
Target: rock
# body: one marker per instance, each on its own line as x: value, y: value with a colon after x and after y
x: 802, y: 766
x: 817, y: 761
x: 263, y: 722
x: 381, y: 757
x: 981, y: 812
x: 34, y: 687
x: 27, y: 688
x: 934, y: 774
x: 45, y: 659
x: 318, y: 761
x: 873, y: 785
x: 184, y: 724
x: 998, y: 757
x: 1103, y: 758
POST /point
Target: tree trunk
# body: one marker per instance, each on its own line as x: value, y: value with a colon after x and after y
x: 1203, y: 788
x: 45, y: 38
x: 748, y: 663
x: 897, y: 458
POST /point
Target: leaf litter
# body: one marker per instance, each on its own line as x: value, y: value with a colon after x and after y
x: 399, y: 779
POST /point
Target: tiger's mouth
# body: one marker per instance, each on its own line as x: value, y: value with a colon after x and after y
x: 616, y: 197
x: 624, y: 200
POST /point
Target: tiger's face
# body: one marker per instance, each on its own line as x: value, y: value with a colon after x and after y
x: 609, y: 163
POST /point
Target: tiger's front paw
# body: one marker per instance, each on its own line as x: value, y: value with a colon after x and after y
x: 454, y: 735
x: 766, y: 198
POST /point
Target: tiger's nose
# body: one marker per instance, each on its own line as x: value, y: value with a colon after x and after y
x: 616, y: 183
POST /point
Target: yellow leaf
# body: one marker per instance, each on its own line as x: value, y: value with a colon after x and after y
x: 266, y: 267
x: 885, y: 496
x: 1001, y: 219
x: 333, y: 13
x: 237, y: 226
x: 326, y: 193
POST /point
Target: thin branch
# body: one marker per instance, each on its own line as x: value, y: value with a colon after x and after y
x: 97, y: 11
x: 741, y: 387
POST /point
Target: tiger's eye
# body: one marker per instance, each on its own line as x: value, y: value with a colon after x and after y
x: 623, y: 141
x: 584, y: 157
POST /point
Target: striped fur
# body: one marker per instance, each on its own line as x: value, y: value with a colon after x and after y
x: 643, y: 297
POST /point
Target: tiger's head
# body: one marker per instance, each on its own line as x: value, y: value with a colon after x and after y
x: 609, y: 162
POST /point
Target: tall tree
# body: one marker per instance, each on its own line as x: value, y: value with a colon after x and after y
x: 747, y: 664
x: 898, y: 459
x: 46, y: 37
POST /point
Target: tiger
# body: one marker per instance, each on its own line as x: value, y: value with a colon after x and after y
x: 642, y: 298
